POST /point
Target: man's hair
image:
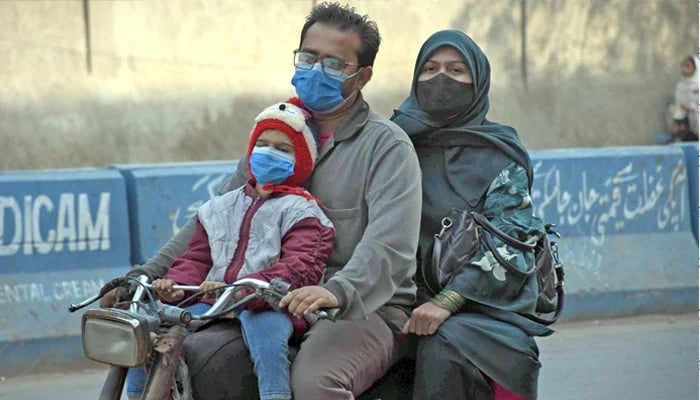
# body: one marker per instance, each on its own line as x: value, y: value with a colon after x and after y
x: 345, y: 18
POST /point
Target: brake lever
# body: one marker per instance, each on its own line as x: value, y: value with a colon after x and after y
x: 115, y: 283
x: 329, y: 314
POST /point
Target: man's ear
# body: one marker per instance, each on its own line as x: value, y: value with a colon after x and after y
x: 364, y: 76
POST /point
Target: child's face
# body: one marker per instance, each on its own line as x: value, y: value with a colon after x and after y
x: 277, y: 140
x: 687, y: 67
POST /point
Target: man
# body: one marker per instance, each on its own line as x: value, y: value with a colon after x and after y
x: 368, y: 179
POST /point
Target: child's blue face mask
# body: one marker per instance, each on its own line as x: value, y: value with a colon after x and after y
x: 269, y: 165
x: 318, y: 91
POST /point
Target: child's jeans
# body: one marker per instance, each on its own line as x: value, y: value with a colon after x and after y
x: 136, y: 377
x: 266, y: 334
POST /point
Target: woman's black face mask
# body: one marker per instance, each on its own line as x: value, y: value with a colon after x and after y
x: 443, y: 97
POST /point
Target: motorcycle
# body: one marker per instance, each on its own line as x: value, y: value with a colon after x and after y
x: 150, y: 333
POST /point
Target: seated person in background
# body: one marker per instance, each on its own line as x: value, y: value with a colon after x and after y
x: 268, y: 228
x: 683, y: 113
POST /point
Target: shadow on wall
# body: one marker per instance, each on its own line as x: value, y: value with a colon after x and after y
x: 564, y: 74
x: 583, y: 113
x: 537, y: 39
x: 93, y: 134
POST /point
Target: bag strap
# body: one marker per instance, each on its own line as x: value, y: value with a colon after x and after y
x: 557, y: 311
x: 505, y: 263
x: 488, y: 228
x: 506, y: 238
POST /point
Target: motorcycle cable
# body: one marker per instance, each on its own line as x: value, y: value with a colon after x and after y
x: 220, y: 288
x: 145, y: 288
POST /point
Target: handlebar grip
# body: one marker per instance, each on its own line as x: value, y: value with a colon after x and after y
x: 73, y: 308
x: 329, y: 313
x: 174, y: 314
x: 84, y: 303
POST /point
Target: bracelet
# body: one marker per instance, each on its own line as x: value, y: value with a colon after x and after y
x: 449, y: 300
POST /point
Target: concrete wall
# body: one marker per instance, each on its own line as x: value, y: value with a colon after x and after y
x: 180, y: 80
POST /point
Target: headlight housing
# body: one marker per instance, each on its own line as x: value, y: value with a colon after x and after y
x: 117, y: 337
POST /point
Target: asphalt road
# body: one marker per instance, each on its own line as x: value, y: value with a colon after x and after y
x: 641, y: 358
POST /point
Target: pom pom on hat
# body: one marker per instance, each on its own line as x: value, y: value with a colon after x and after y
x: 290, y: 118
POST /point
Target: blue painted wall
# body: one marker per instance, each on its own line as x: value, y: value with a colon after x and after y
x: 625, y: 217
x: 162, y: 197
x: 63, y: 234
x: 63, y: 219
x: 628, y: 217
x: 691, y: 159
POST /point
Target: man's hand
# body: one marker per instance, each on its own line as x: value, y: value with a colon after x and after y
x: 110, y: 299
x: 308, y: 299
x: 425, y: 319
x: 164, y: 287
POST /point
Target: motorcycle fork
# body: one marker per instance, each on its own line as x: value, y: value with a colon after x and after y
x: 161, y: 376
x: 112, y: 388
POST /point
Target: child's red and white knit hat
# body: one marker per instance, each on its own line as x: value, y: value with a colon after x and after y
x: 290, y: 118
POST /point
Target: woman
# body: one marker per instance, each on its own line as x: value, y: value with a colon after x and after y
x: 473, y: 343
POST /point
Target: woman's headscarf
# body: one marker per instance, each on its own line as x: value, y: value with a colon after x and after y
x: 690, y: 83
x: 468, y: 129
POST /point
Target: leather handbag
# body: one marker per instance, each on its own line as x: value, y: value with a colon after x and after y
x: 462, y: 234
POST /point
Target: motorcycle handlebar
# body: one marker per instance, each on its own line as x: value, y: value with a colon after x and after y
x: 247, y: 282
x: 268, y: 291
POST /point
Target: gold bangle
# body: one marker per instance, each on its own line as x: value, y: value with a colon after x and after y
x: 449, y: 300
x: 441, y: 303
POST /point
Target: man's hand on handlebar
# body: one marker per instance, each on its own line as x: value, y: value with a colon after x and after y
x: 164, y: 287
x: 111, y: 298
x: 308, y: 299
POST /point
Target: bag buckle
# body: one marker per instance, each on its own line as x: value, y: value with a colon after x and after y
x: 446, y: 224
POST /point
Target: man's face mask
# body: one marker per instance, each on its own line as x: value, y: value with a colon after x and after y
x: 319, y: 92
x: 269, y: 165
x: 443, y: 97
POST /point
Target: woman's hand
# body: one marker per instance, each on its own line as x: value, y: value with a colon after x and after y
x: 425, y: 319
x: 164, y: 287
x: 308, y: 299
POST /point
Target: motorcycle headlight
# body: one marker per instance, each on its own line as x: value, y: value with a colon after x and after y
x: 116, y: 337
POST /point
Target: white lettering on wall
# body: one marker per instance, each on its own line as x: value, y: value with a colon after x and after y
x: 65, y: 226
x: 597, y: 208
x: 71, y: 224
x: 211, y: 183
x: 56, y: 291
x: 42, y: 245
x: 9, y: 203
x: 95, y: 234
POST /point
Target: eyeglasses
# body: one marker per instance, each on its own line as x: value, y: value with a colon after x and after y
x: 331, y: 66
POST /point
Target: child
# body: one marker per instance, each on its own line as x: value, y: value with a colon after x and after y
x: 269, y: 228
x: 684, y: 110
